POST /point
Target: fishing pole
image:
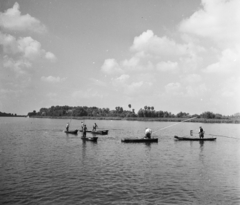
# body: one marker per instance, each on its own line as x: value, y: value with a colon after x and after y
x: 108, y: 129
x: 174, y: 124
x: 191, y: 132
x: 71, y: 117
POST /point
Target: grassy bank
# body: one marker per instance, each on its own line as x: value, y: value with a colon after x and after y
x: 198, y: 120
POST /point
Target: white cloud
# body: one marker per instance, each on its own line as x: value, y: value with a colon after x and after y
x: 216, y: 25
x: 149, y: 43
x: 185, y: 90
x: 122, y: 79
x: 111, y: 66
x: 30, y: 48
x: 167, y: 66
x: 9, y: 43
x: 12, y: 19
x: 195, y: 91
x: 52, y: 79
x: 18, y: 66
x: 192, y: 78
x: 138, y: 63
x: 22, y: 52
x: 86, y: 94
x: 218, y: 20
x: 228, y: 61
x: 134, y: 61
x: 27, y: 47
x: 231, y: 88
x: 98, y: 82
x: 209, y: 44
x: 134, y: 87
x: 173, y: 88
x: 50, y: 56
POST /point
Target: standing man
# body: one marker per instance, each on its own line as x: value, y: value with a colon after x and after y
x: 94, y: 127
x: 85, y: 131
x: 82, y: 126
x: 148, y: 133
x: 67, y: 127
x: 201, y: 132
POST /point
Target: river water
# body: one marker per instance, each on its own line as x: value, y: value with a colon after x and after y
x: 40, y: 164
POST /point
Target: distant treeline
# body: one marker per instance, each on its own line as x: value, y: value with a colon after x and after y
x: 146, y: 112
x: 3, y: 114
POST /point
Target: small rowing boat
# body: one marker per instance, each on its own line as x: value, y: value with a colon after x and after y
x: 74, y: 132
x: 139, y: 140
x: 195, y: 138
x: 93, y: 139
x: 98, y: 132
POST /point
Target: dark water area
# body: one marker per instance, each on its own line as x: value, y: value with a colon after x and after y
x: 40, y: 164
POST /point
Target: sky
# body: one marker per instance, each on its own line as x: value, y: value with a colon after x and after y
x: 177, y: 56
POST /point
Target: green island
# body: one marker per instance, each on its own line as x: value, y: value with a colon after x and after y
x: 148, y: 113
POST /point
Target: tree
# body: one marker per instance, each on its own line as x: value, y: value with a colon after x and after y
x: 140, y: 113
x: 208, y: 115
x: 119, y: 109
x: 129, y: 107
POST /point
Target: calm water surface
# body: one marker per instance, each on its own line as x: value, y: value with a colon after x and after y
x: 40, y: 164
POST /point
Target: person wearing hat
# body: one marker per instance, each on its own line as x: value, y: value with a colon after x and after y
x: 82, y: 126
x: 84, y: 129
x: 201, y: 132
x: 148, y: 133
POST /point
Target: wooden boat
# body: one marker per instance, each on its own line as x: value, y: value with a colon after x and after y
x: 97, y: 132
x: 74, y: 132
x: 93, y: 139
x: 139, y: 140
x: 195, y: 138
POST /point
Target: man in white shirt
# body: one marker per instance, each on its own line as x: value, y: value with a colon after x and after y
x: 67, y: 127
x: 148, y: 133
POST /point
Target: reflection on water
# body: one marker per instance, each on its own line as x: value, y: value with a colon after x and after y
x: 201, y: 145
x: 201, y: 153
x: 40, y: 164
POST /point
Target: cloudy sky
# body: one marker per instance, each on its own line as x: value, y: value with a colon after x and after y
x: 173, y: 55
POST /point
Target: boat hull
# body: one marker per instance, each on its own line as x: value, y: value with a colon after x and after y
x: 74, y: 132
x: 93, y: 139
x: 99, y: 132
x: 142, y: 140
x: 194, y: 139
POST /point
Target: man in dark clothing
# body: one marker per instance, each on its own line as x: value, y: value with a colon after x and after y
x: 201, y: 133
x: 84, y: 130
x: 94, y: 127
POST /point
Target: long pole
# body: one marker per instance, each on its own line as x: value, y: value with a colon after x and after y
x: 71, y: 118
x: 174, y: 124
x: 217, y: 135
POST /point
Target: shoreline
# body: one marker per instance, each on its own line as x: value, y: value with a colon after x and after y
x: 197, y: 120
x: 15, y: 116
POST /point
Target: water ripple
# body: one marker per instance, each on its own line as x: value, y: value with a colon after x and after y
x: 39, y: 164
